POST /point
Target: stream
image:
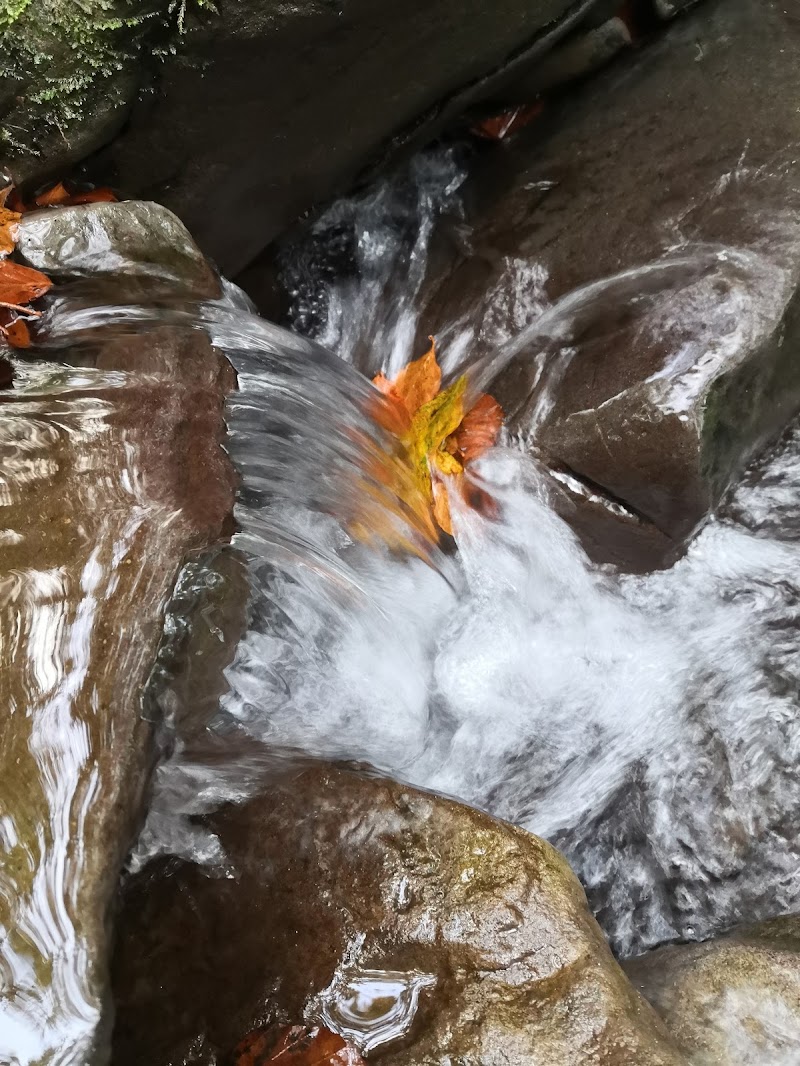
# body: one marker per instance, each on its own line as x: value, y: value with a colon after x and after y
x: 647, y: 725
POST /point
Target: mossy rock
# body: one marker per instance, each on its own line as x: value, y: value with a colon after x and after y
x: 69, y: 73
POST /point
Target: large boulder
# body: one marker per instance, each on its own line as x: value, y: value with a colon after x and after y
x: 424, y: 931
x: 734, y: 1001
x: 113, y: 469
x: 660, y: 205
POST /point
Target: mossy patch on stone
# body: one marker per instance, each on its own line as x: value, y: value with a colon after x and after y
x: 69, y: 72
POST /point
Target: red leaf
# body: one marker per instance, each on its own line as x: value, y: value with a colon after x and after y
x: 53, y: 197
x: 16, y: 332
x: 100, y: 195
x: 479, y: 428
x: 295, y: 1045
x: 60, y: 196
x: 498, y: 127
x: 20, y: 284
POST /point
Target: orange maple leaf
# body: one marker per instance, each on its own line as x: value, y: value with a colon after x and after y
x: 438, y: 435
x: 415, y: 385
x: 60, y: 196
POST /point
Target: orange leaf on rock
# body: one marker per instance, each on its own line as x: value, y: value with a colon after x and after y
x: 8, y: 229
x: 60, y: 196
x: 100, y: 195
x: 53, y: 197
x: 479, y: 429
x: 20, y: 284
x: 295, y: 1045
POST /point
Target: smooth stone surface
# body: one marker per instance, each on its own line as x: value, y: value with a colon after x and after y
x: 112, y: 470
x: 474, y: 937
x: 734, y: 1001
x: 142, y: 245
x: 660, y: 203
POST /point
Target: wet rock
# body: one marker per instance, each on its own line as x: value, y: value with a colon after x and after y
x: 276, y: 107
x: 424, y: 930
x: 734, y: 1001
x: 660, y: 205
x: 141, y: 244
x: 577, y: 57
x: 68, y: 75
x: 667, y: 9
x: 112, y: 471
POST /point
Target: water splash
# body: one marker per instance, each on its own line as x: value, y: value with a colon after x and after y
x: 609, y: 713
x: 371, y: 1008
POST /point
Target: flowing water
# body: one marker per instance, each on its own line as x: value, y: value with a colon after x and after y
x: 647, y: 725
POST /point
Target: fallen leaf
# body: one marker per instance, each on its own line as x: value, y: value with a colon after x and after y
x: 15, y: 331
x: 418, y: 383
x: 295, y: 1045
x: 498, y: 127
x: 53, y: 197
x: 439, y: 438
x: 101, y: 195
x: 441, y: 507
x: 60, y: 196
x: 479, y: 429
x: 20, y: 285
x: 8, y: 229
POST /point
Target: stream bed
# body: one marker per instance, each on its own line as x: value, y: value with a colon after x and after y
x: 328, y: 733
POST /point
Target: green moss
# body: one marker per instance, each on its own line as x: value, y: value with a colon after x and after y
x: 61, y: 60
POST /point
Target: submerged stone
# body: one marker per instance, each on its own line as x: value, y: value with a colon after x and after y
x: 734, y: 1001
x: 423, y: 931
x: 112, y: 470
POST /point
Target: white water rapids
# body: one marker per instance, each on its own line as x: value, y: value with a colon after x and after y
x: 649, y: 726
